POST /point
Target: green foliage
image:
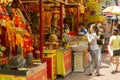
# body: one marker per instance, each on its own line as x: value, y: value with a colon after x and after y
x: 2, y: 48
x: 1, y: 54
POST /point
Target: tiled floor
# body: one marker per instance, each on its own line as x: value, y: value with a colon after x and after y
x: 105, y: 72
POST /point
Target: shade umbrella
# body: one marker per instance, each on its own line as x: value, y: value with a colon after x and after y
x: 112, y: 10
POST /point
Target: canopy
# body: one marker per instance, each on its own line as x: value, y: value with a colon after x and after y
x: 112, y: 10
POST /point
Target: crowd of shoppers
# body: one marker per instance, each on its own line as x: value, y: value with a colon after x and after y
x: 97, y: 35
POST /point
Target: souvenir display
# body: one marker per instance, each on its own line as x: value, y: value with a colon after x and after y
x: 40, y: 37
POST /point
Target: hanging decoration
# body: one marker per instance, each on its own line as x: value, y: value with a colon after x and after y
x: 94, y: 8
x: 82, y: 9
x: 94, y: 14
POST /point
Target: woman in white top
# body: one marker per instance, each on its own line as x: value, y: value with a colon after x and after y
x: 114, y: 42
x: 94, y: 57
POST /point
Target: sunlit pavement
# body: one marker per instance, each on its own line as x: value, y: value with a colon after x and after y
x: 105, y: 72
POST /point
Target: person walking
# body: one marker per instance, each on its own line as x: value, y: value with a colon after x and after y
x: 100, y: 33
x: 114, y: 43
x: 94, y: 57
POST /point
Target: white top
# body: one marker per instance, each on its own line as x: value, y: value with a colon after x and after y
x: 93, y: 38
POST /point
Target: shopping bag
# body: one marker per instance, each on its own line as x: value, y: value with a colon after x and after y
x: 110, y: 51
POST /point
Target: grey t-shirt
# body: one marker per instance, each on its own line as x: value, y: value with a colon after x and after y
x: 94, y: 44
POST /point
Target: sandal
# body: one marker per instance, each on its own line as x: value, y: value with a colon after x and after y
x: 90, y: 74
x: 113, y: 72
x: 116, y: 71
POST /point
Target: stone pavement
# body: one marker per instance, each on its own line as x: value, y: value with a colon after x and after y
x: 105, y: 72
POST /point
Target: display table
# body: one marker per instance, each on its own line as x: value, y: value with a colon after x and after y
x: 81, y: 56
x: 64, y: 61
x: 49, y: 57
x: 35, y: 73
x: 80, y: 61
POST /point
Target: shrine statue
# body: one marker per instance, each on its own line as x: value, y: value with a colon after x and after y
x: 17, y: 61
x: 65, y: 36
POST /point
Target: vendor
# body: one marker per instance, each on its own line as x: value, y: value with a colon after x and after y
x: 82, y: 30
x: 65, y: 36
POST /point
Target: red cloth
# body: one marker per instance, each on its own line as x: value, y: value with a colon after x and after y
x: 27, y: 45
x: 71, y: 33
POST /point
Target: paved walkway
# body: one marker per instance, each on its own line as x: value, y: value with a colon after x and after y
x: 105, y: 72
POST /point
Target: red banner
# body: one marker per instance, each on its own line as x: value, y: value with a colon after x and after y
x: 68, y: 60
x: 41, y: 75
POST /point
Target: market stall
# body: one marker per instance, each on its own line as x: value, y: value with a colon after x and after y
x: 64, y: 54
x: 45, y: 38
x: 18, y: 44
x: 50, y: 22
x: 55, y: 34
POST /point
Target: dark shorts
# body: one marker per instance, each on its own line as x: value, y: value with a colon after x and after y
x: 116, y: 52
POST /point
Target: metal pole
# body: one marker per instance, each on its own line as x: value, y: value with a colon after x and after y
x: 41, y: 28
